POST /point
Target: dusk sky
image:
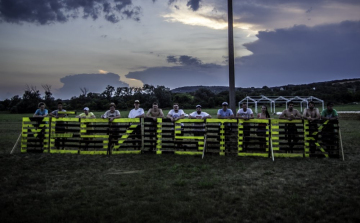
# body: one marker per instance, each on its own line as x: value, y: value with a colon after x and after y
x: 72, y: 44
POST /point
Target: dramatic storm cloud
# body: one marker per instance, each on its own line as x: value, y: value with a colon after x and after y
x: 190, y: 71
x: 95, y: 83
x: 295, y: 55
x: 49, y: 11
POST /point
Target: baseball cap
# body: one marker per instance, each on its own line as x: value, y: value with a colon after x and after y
x: 198, y: 106
x: 86, y: 109
x: 225, y: 103
x: 137, y: 101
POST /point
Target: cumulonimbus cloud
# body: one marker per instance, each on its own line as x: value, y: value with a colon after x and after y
x: 45, y: 12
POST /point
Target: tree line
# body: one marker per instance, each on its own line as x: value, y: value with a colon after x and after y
x: 124, y: 97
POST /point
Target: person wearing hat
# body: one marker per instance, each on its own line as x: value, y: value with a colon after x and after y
x: 225, y: 112
x: 198, y: 114
x: 86, y: 114
x: 137, y: 112
x: 112, y: 113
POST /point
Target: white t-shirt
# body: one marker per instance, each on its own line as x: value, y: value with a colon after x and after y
x: 135, y: 112
x: 246, y: 114
x: 176, y: 114
x: 196, y: 115
x: 109, y: 114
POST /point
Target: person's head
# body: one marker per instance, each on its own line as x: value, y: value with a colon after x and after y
x: 176, y: 106
x: 86, y: 110
x: 225, y: 105
x: 136, y: 104
x: 155, y: 106
x: 198, y: 109
x: 291, y: 105
x: 60, y: 105
x: 244, y: 105
x: 112, y: 107
x: 265, y: 111
x: 311, y: 104
x: 41, y: 105
x: 330, y: 106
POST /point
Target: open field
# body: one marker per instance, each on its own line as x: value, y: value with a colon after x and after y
x: 170, y: 188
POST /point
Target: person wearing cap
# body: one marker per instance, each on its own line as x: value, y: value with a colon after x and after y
x: 225, y: 112
x: 246, y: 114
x: 198, y: 114
x: 137, y: 112
x: 155, y: 112
x: 329, y: 113
x: 86, y: 114
x: 112, y: 113
x: 175, y: 113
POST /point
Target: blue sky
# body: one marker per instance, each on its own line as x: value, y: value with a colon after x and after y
x: 72, y: 44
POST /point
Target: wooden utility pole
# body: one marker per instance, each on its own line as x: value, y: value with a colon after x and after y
x: 232, y: 102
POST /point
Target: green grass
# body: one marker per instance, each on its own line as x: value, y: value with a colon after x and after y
x: 170, y: 188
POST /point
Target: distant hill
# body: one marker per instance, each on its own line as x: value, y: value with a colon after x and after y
x: 218, y: 89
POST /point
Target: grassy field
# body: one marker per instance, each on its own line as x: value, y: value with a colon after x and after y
x: 170, y: 188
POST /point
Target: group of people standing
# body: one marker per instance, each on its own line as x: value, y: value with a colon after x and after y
x: 176, y: 113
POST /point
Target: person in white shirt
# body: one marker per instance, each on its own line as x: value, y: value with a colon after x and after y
x: 175, y: 113
x: 246, y: 114
x: 198, y: 114
x: 112, y: 113
x: 137, y: 112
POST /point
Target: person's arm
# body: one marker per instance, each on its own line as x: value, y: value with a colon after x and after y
x: 117, y: 115
x: 161, y: 113
x: 52, y: 114
x: 297, y: 115
x: 218, y: 115
x: 182, y: 115
x: 142, y: 114
x: 191, y: 116
x: 148, y: 113
x: 251, y: 115
x: 304, y: 114
x: 335, y: 115
x: 92, y: 115
x: 317, y: 114
x: 169, y: 115
x: 231, y: 115
x: 238, y: 115
x: 283, y: 115
x: 35, y: 114
x: 206, y: 116
x: 104, y: 115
